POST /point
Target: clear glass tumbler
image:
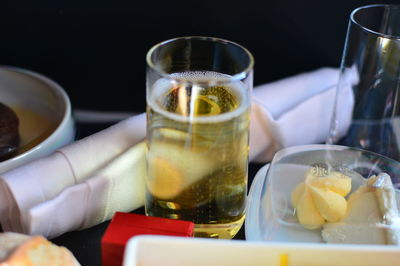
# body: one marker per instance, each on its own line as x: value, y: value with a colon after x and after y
x: 198, y: 99
x: 370, y: 70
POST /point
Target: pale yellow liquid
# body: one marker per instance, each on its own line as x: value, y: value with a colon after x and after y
x: 198, y: 169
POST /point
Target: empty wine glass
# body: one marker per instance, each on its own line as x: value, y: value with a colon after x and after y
x: 367, y: 101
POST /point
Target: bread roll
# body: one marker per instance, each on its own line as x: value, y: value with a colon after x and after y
x: 17, y: 249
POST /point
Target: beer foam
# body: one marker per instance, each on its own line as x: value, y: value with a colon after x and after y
x: 199, y: 78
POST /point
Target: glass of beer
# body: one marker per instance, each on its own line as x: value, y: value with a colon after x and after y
x: 198, y: 104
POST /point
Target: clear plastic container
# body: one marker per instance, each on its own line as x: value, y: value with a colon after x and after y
x: 271, y: 216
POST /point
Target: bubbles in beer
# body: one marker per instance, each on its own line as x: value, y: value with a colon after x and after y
x: 205, y: 96
x: 198, y: 148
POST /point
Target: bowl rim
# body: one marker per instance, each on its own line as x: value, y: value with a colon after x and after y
x: 60, y: 93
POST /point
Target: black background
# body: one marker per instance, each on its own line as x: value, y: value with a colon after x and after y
x: 96, y: 50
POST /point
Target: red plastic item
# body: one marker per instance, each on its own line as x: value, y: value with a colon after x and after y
x: 123, y: 226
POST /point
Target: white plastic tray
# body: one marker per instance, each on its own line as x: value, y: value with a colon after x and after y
x: 166, y: 251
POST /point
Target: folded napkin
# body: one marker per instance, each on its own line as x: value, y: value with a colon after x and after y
x: 78, y: 186
x: 85, y: 183
x: 298, y: 110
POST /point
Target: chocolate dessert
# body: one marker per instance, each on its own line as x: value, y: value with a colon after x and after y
x: 9, y: 136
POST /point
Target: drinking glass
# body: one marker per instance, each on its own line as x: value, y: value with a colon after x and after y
x: 370, y: 70
x: 198, y: 99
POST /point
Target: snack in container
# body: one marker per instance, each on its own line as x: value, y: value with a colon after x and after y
x: 326, y: 194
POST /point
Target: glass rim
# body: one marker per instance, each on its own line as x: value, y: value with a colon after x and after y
x: 328, y: 147
x: 236, y: 77
x: 366, y: 29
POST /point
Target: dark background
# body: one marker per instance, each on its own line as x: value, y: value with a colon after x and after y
x: 96, y: 50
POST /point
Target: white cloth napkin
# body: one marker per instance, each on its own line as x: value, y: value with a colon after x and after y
x: 298, y: 110
x: 78, y: 186
x: 85, y: 183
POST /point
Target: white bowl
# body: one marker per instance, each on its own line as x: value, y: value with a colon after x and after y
x: 44, y: 111
x: 171, y: 251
